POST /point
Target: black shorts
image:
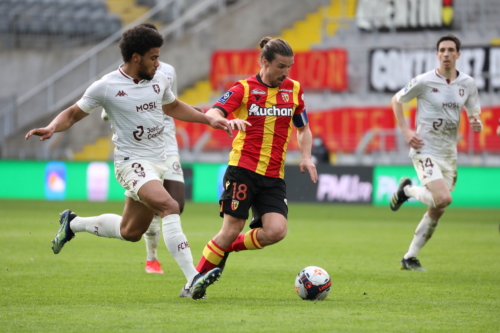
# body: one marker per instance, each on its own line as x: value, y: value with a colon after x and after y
x: 245, y: 189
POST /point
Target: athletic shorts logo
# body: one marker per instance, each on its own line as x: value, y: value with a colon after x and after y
x: 156, y: 88
x: 176, y: 166
x: 235, y: 204
x: 227, y: 184
x: 224, y: 98
x: 286, y: 98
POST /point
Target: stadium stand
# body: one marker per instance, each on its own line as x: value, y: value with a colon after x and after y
x: 355, y: 122
x: 55, y: 21
x: 301, y: 36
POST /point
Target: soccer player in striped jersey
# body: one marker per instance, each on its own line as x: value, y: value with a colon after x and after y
x: 135, y: 96
x: 441, y: 95
x: 265, y: 106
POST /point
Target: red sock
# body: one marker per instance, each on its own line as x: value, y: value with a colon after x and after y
x: 247, y: 241
x: 212, y: 256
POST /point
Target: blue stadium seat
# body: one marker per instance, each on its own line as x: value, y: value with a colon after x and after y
x: 84, y: 19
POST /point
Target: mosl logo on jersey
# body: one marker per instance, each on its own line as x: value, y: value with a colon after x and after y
x: 146, y: 106
x: 255, y: 110
x: 224, y: 98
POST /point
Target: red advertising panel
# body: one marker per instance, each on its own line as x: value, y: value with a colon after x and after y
x: 318, y: 69
x: 343, y: 129
x: 340, y: 129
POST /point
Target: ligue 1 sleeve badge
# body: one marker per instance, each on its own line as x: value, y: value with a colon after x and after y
x: 234, y: 204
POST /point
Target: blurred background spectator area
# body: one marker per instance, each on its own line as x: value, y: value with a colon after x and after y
x: 350, y: 57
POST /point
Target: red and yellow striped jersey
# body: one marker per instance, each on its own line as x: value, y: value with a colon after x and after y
x: 262, y: 147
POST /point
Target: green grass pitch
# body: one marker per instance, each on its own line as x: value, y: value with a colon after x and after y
x: 99, y: 285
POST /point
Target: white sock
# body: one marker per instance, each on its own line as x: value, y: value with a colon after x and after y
x: 152, y: 237
x: 421, y: 193
x: 423, y: 233
x: 106, y: 225
x: 177, y: 244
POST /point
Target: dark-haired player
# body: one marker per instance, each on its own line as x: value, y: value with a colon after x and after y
x: 441, y: 95
x: 173, y: 179
x: 265, y: 106
x: 135, y: 97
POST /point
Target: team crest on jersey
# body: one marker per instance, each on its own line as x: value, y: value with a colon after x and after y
x: 227, y: 184
x: 461, y: 92
x: 234, y: 204
x: 224, y: 98
x: 156, y: 88
x: 285, y: 97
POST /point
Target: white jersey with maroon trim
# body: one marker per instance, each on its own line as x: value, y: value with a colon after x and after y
x: 171, y: 147
x: 135, y: 112
x: 439, y: 105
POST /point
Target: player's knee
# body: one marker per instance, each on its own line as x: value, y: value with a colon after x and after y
x: 443, y: 201
x: 167, y: 207
x: 276, y: 234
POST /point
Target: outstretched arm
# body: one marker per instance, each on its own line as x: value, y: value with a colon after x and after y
x: 236, y: 124
x: 62, y: 122
x: 181, y: 111
x: 304, y: 138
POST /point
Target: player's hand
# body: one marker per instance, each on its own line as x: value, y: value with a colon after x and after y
x: 44, y: 133
x: 413, y: 139
x: 476, y: 125
x: 307, y: 164
x: 239, y: 124
x: 220, y: 123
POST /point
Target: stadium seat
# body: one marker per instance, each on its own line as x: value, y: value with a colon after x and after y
x: 5, y: 26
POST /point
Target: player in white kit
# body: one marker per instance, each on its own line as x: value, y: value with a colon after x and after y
x: 173, y: 179
x: 136, y: 96
x: 441, y: 95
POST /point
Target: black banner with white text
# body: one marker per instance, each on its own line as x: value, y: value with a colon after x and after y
x: 392, y: 69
